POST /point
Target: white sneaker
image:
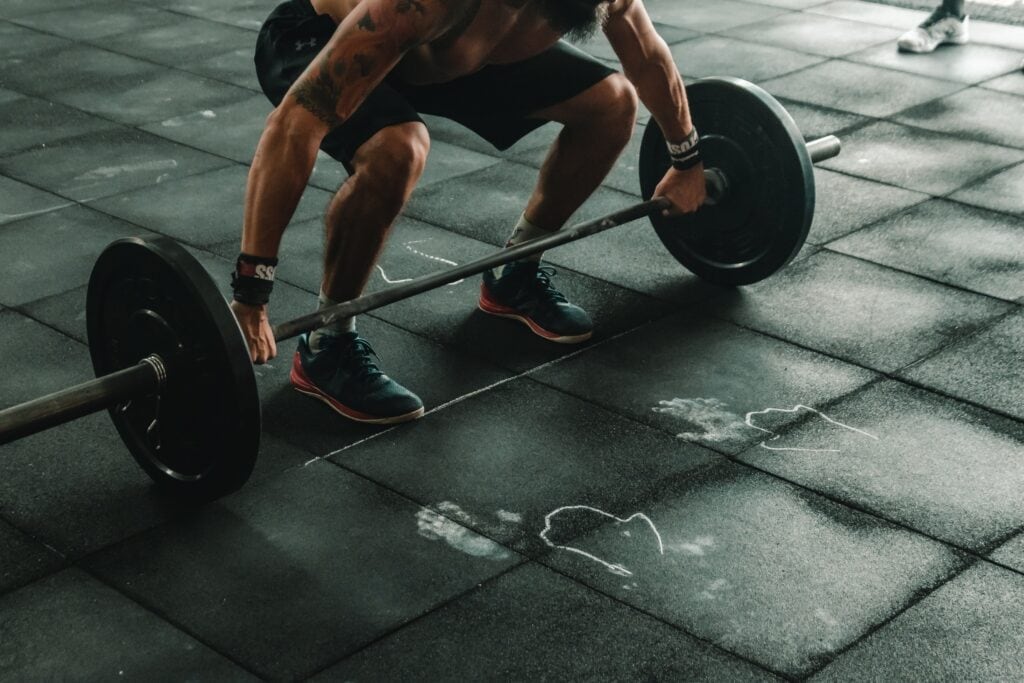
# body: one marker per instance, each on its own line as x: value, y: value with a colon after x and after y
x: 938, y: 29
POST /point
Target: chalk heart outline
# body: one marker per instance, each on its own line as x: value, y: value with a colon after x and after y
x: 794, y: 410
x: 611, y: 566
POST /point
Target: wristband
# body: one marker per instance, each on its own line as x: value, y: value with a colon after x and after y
x: 685, y: 154
x: 253, y: 279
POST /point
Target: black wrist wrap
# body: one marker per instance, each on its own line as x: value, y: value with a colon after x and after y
x: 253, y: 279
x: 685, y: 154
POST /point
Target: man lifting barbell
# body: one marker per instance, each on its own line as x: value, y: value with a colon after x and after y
x: 352, y: 76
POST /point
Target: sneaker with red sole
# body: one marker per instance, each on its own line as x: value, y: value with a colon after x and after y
x: 344, y: 375
x: 524, y: 292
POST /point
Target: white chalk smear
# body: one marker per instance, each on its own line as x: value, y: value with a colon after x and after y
x: 612, y: 567
x: 107, y: 172
x: 709, y: 415
x: 510, y: 517
x: 5, y: 217
x: 710, y: 591
x: 440, y: 527
x: 408, y: 245
x: 695, y: 547
x: 795, y: 409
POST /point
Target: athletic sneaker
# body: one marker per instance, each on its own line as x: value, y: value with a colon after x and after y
x: 344, y: 375
x: 524, y: 292
x: 939, y: 28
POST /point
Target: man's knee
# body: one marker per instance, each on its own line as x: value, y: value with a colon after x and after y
x: 613, y: 108
x: 622, y: 100
x: 392, y: 161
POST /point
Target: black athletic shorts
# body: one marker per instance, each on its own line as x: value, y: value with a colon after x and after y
x: 495, y: 102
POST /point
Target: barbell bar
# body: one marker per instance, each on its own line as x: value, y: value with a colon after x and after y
x: 174, y: 370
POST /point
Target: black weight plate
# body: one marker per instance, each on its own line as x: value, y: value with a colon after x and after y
x: 200, y: 437
x: 763, y: 221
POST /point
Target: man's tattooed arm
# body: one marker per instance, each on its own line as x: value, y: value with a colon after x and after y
x: 364, y: 48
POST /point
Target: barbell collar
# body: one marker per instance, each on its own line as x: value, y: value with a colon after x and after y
x: 69, y: 404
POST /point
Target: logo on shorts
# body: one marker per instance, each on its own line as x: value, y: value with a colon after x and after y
x: 300, y: 45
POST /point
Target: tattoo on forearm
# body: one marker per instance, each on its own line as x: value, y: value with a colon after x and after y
x: 365, y: 64
x: 320, y: 94
x: 405, y: 6
x: 366, y: 23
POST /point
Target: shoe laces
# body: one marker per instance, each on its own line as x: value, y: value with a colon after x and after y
x: 543, y: 286
x: 356, y: 358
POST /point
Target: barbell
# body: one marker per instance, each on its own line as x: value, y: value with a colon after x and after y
x: 174, y: 370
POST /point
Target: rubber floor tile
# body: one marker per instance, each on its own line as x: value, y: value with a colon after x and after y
x: 41, y: 266
x: 90, y: 619
x: 903, y: 453
x: 859, y: 311
x: 815, y: 121
x: 106, y: 163
x: 151, y: 97
x: 79, y: 66
x: 201, y: 209
x: 505, y: 461
x: 18, y: 42
x: 968, y: 629
x: 1002, y: 192
x: 532, y: 624
x: 1011, y: 553
x: 21, y: 8
x: 698, y: 378
x: 183, y: 40
x: 22, y: 559
x: 294, y: 574
x: 987, y: 368
x: 951, y: 243
x: 232, y: 130
x: 919, y: 160
x: 247, y: 14
x: 709, y: 16
x: 815, y: 34
x: 860, y: 89
x: 759, y: 567
x: 96, y: 22
x: 845, y: 204
x: 234, y: 66
x: 721, y: 56
x: 871, y: 13
x: 29, y: 122
x: 973, y: 114
x: 968, y: 64
x: 1010, y: 83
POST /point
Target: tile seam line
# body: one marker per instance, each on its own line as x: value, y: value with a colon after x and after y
x: 78, y: 42
x: 443, y: 604
x: 671, y: 624
x: 809, y: 10
x: 165, y: 618
x: 915, y: 599
x: 137, y: 3
x: 892, y: 375
x: 866, y: 260
x: 476, y: 392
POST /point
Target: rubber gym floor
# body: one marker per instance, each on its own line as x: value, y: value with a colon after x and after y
x: 818, y: 476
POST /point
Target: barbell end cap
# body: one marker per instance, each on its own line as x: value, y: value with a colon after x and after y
x: 824, y: 148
